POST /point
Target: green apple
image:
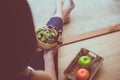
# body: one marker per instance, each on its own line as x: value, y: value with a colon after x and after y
x: 84, y: 61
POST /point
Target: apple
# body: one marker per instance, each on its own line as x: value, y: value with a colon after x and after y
x: 84, y: 61
x: 82, y: 74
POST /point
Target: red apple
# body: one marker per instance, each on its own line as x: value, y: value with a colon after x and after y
x: 82, y: 74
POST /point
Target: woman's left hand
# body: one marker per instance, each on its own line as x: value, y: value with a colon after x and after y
x: 52, y: 51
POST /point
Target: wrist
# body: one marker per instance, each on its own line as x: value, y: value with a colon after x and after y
x: 48, y: 56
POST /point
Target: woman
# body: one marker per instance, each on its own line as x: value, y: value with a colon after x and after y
x: 18, y: 42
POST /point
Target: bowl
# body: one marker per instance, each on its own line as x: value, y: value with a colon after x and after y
x: 46, y: 45
x: 47, y: 38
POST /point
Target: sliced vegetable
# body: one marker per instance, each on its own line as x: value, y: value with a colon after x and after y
x: 54, y: 31
x: 47, y: 35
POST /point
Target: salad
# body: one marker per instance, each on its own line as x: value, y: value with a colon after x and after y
x: 48, y: 35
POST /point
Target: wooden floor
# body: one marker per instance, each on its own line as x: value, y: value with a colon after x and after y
x: 87, y: 15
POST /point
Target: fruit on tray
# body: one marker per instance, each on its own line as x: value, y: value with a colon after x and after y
x: 84, y: 61
x: 82, y: 74
x: 97, y: 61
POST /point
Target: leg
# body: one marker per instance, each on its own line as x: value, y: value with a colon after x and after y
x: 59, y: 12
x: 64, y: 11
x: 57, y: 19
x: 63, y: 14
x: 68, y: 7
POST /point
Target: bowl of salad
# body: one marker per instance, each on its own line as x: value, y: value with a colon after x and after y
x: 47, y: 37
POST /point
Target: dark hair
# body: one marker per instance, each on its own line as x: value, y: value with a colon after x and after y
x: 17, y: 37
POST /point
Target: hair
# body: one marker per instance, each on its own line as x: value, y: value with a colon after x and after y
x: 17, y: 37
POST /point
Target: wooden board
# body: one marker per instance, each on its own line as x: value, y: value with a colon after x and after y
x: 91, y: 34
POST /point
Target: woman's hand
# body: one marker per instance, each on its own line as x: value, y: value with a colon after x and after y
x: 51, y: 52
x: 43, y: 45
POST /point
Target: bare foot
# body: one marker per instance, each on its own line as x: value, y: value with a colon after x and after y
x: 68, y: 7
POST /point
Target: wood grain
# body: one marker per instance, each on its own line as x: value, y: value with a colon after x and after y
x: 91, y: 34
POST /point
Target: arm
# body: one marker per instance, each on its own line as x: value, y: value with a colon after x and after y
x: 49, y: 62
x: 41, y: 75
x: 49, y: 73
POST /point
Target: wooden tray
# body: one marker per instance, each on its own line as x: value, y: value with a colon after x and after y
x: 97, y: 61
